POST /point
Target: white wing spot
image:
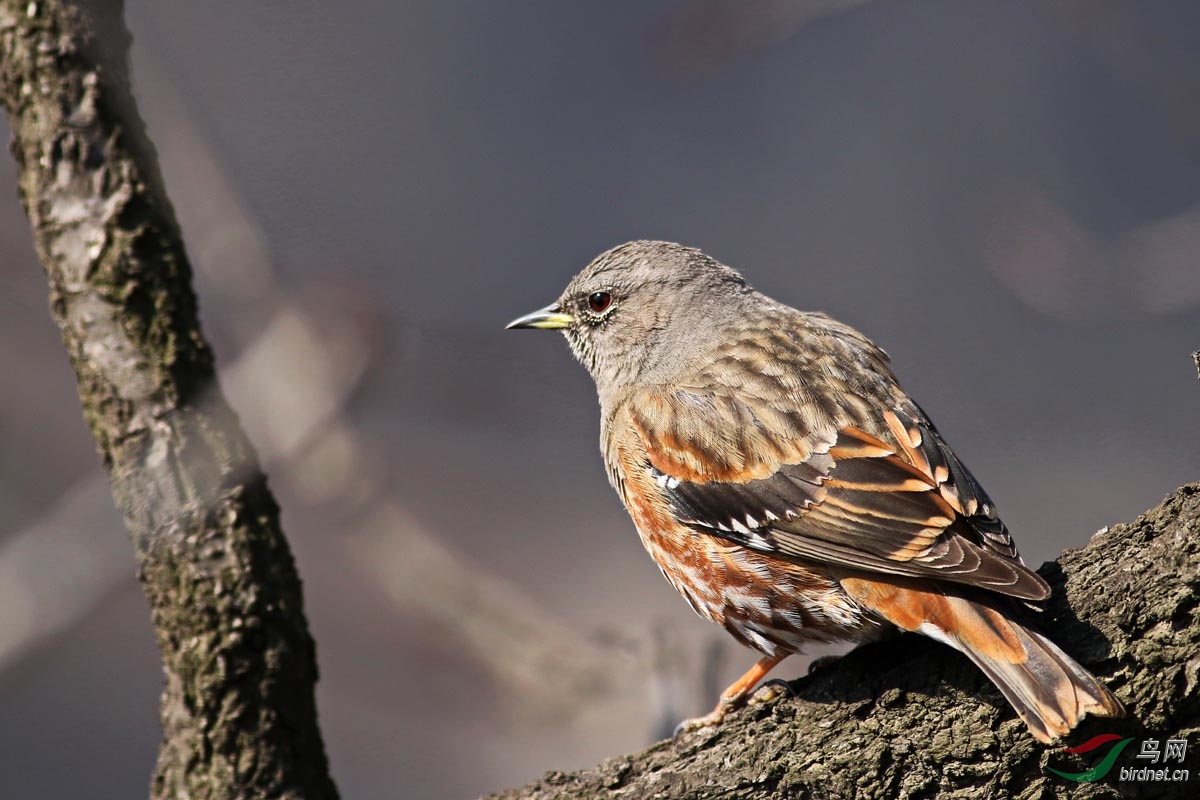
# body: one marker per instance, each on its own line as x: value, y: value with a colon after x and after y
x: 665, y: 481
x: 758, y: 541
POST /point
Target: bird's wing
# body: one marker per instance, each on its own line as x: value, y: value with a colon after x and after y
x: 897, y: 502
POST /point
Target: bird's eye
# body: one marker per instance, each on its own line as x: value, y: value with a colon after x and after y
x: 599, y: 302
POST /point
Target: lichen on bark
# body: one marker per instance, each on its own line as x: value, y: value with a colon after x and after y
x: 911, y: 718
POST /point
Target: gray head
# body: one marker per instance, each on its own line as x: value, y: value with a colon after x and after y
x: 616, y: 313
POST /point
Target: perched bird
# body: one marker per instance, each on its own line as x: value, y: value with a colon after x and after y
x: 787, y: 486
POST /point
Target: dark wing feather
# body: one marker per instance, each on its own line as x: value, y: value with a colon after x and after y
x: 905, y: 508
x: 959, y: 487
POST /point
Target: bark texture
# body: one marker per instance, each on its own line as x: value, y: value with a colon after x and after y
x: 912, y: 718
x: 238, y: 711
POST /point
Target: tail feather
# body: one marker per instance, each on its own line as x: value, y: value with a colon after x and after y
x: 1050, y: 692
x: 1047, y: 688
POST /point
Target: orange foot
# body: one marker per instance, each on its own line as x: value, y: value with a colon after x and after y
x: 737, y: 694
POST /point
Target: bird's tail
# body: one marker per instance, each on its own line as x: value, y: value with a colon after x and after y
x: 1046, y: 687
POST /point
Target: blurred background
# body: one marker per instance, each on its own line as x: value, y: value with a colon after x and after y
x: 1005, y: 195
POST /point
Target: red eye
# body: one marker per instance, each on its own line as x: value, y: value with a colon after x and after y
x: 599, y: 302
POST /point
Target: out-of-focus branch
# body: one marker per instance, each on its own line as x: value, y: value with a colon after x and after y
x: 547, y: 666
x: 238, y: 712
x: 910, y: 718
x: 291, y: 383
x: 57, y: 569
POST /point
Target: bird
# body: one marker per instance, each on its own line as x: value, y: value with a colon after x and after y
x: 790, y: 489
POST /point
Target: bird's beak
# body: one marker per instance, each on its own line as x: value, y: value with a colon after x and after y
x: 550, y: 318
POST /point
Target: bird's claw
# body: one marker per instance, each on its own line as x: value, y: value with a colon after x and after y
x: 710, y: 720
x: 772, y: 690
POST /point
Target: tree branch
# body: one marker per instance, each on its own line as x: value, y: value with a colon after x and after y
x: 911, y: 718
x: 238, y: 712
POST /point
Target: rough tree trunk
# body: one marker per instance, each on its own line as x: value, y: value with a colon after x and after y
x: 238, y: 712
x: 911, y: 718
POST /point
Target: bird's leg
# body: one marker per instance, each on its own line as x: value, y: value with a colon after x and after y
x: 733, y: 697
